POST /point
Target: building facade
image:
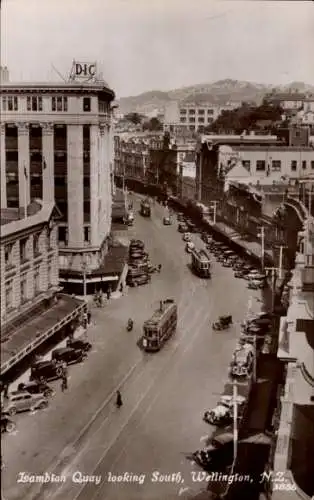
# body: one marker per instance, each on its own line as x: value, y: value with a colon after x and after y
x: 29, y: 257
x: 295, y: 440
x: 57, y: 144
x: 192, y: 116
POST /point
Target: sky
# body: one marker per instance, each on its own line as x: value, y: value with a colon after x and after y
x: 143, y: 45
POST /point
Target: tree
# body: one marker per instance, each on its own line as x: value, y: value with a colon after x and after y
x: 134, y: 118
x: 154, y: 125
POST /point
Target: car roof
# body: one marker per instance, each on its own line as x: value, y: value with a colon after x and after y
x: 61, y: 350
x: 41, y: 364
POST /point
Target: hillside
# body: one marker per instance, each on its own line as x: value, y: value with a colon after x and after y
x: 220, y: 92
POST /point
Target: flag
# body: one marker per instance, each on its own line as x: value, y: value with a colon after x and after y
x: 25, y: 172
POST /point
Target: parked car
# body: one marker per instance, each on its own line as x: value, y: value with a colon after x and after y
x: 68, y: 355
x: 206, y: 238
x: 23, y: 401
x: 180, y: 217
x: 189, y: 246
x: 242, y: 363
x: 193, y: 227
x: 182, y: 228
x: 240, y: 274
x: 222, y: 414
x: 37, y: 387
x: 137, y: 244
x: 7, y: 425
x: 79, y: 344
x: 167, y: 221
x: 48, y: 370
x: 186, y: 237
x: 143, y: 279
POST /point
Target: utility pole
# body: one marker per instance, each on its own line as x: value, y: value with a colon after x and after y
x: 84, y: 279
x: 273, y: 271
x: 214, y: 208
x: 200, y: 175
x: 261, y: 235
x: 235, y: 419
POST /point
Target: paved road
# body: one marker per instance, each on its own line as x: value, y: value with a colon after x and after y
x: 164, y: 394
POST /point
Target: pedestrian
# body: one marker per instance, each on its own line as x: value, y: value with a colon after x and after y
x: 64, y: 384
x: 159, y: 268
x: 6, y: 391
x: 121, y: 288
x: 119, y: 401
x: 64, y: 370
x: 89, y: 317
x: 108, y: 294
x: 85, y: 320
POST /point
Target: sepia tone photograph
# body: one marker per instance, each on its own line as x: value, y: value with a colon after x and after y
x: 157, y: 249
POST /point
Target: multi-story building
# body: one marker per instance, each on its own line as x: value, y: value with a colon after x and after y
x: 289, y: 101
x: 131, y: 156
x: 57, y: 144
x: 295, y: 440
x: 31, y: 308
x: 192, y: 116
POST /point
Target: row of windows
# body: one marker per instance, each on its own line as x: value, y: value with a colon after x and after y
x: 23, y: 249
x: 35, y: 103
x: 275, y: 165
x: 200, y: 119
x: 63, y: 234
x: 193, y: 111
x: 9, y: 295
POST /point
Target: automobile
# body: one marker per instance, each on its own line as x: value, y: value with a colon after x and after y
x: 227, y: 263
x: 189, y: 246
x: 143, y: 279
x: 137, y: 244
x: 180, y: 217
x: 186, y: 237
x: 23, y: 401
x: 167, y: 221
x: 182, y: 227
x: 206, y: 238
x: 192, y: 227
x: 240, y: 274
x: 255, y: 285
x: 48, y: 370
x: 79, y: 344
x: 37, y: 387
x: 68, y: 355
x: 242, y: 362
x: 7, y: 425
x: 222, y: 414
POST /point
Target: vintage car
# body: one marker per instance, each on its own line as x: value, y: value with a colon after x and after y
x: 36, y: 387
x: 222, y: 414
x: 186, y: 237
x: 79, y: 344
x: 68, y: 355
x: 180, y: 217
x: 167, y: 221
x: 182, y: 227
x: 242, y: 363
x: 23, y: 401
x: 7, y: 425
x: 142, y: 279
x: 189, y: 246
x: 47, y: 370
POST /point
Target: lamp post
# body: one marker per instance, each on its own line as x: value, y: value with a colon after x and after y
x: 261, y: 235
x: 213, y: 205
x: 84, y: 267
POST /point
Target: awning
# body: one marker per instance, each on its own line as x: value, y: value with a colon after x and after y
x: 99, y: 279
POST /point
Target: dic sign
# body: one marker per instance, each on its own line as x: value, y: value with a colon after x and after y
x: 83, y: 71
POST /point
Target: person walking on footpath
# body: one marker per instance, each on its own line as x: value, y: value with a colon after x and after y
x: 64, y: 382
x: 119, y: 401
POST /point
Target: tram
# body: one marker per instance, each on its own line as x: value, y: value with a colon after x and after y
x: 200, y: 263
x: 145, y: 208
x: 160, y: 327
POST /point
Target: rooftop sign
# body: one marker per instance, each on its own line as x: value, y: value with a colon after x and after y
x: 83, y: 71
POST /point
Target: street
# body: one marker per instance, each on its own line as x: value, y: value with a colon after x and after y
x: 164, y: 394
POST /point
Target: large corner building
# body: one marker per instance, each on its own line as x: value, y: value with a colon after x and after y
x: 57, y: 145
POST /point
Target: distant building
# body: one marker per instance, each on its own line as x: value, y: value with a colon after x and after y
x: 32, y: 310
x: 192, y: 116
x: 290, y: 100
x: 57, y: 145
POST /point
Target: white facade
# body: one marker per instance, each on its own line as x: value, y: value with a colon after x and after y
x: 77, y: 107
x: 192, y: 115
